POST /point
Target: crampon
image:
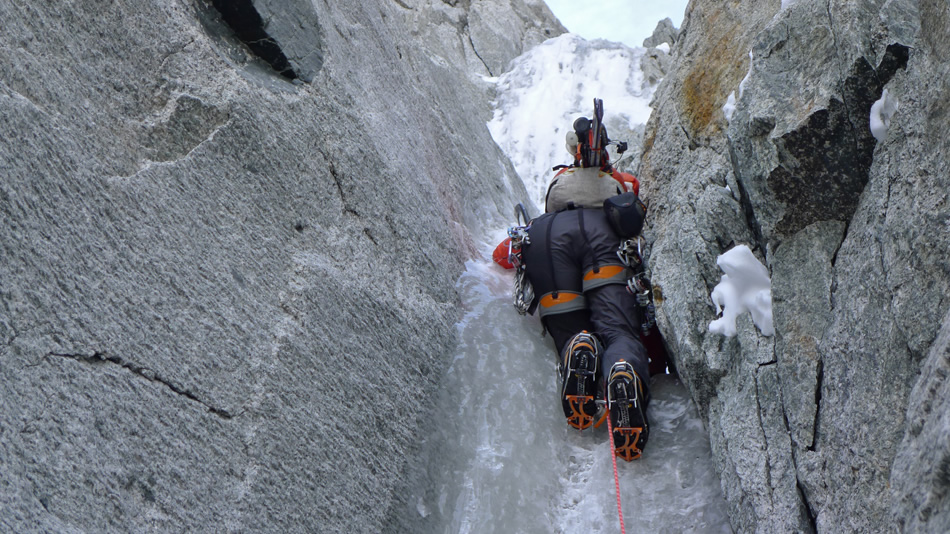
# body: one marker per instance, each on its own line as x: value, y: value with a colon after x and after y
x: 579, y: 376
x: 628, y: 417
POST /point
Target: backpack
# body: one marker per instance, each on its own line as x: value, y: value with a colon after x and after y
x: 580, y: 187
x: 591, y: 180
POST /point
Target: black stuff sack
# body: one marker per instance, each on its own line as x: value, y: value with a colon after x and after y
x: 625, y: 213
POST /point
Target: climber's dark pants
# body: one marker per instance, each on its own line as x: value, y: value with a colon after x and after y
x: 565, y: 248
x: 564, y: 326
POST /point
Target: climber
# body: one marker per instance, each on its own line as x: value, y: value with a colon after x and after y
x: 570, y: 257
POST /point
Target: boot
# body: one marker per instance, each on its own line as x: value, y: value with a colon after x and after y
x: 628, y: 416
x: 579, y: 380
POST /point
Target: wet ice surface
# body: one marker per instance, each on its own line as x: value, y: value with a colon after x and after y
x: 502, y: 458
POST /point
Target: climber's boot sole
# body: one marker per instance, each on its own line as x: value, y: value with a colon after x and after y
x: 578, y: 393
x: 627, y: 416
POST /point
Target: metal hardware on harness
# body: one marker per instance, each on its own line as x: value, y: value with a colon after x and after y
x: 650, y: 318
x: 631, y: 254
x: 523, y: 292
x: 518, y: 238
x: 639, y: 285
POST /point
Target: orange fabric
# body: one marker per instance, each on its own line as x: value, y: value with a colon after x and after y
x: 608, y: 271
x: 548, y: 300
x: 628, y: 181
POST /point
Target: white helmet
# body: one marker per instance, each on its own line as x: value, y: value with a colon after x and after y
x: 571, y: 142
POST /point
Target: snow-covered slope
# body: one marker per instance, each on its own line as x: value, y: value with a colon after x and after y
x: 551, y: 85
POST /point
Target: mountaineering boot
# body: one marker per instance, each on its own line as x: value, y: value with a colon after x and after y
x: 579, y: 380
x: 628, y: 416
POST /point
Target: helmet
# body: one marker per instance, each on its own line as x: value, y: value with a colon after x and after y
x: 571, y: 143
x: 582, y: 126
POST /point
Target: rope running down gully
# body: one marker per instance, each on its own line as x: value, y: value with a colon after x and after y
x: 613, y: 456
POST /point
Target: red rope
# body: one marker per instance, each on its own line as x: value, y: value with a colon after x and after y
x: 613, y: 456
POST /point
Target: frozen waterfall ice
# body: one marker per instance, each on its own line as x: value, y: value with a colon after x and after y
x: 501, y: 457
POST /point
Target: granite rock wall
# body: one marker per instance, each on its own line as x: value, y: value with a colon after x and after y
x: 811, y: 427
x: 229, y: 238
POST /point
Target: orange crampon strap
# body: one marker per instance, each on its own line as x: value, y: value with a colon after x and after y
x: 584, y: 344
x: 579, y: 419
x: 624, y: 374
x: 628, y: 449
x: 603, y: 417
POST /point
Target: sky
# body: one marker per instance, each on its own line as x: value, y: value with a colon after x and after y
x: 630, y: 21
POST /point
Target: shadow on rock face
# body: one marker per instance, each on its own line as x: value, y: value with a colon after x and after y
x: 273, y: 36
